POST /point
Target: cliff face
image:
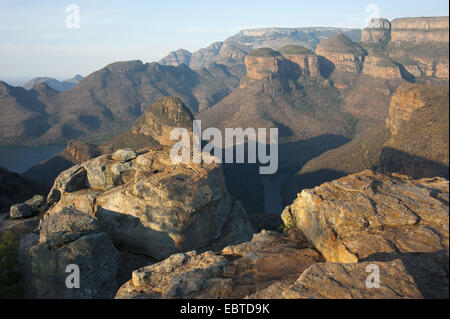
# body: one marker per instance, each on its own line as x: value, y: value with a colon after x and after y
x: 420, y: 30
x: 381, y: 67
x: 377, y: 31
x: 344, y: 54
x: 407, y: 99
x: 306, y: 60
x: 264, y: 63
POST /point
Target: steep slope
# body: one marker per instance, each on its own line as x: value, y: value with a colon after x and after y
x: 414, y: 142
x: 23, y: 116
x: 107, y: 102
x: 16, y: 189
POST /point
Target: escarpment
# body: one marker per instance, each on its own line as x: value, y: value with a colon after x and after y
x: 420, y: 30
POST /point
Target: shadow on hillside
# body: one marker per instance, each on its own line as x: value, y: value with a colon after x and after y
x: 396, y: 161
x: 244, y: 180
x: 326, y: 67
x: 47, y: 171
x: 308, y: 180
x: 429, y: 270
x: 391, y: 161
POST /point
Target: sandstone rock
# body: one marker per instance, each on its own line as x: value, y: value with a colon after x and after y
x: 381, y: 67
x: 161, y: 118
x: 263, y: 63
x: 348, y: 281
x: 343, y: 53
x: 234, y: 273
x: 420, y: 30
x: 66, y: 226
x: 71, y: 238
x: 155, y: 207
x: 20, y: 211
x: 378, y: 30
x: 369, y: 214
x: 124, y: 155
x: 304, y: 58
x: 36, y: 203
x: 69, y: 180
x: 407, y: 99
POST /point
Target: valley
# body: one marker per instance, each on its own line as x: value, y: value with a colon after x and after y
x: 87, y: 174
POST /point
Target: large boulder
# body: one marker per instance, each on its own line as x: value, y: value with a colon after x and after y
x: 69, y: 238
x: 374, y: 217
x: 153, y: 206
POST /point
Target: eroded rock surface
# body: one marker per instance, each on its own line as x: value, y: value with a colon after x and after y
x: 374, y: 217
x: 153, y: 206
x: 235, y: 272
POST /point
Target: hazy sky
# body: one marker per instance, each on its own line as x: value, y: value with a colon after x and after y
x: 35, y: 41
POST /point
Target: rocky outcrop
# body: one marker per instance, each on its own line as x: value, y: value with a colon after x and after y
x: 118, y: 212
x: 177, y: 58
x: 378, y: 30
x: 31, y: 207
x: 380, y: 66
x: 346, y: 281
x: 407, y: 99
x: 369, y: 214
x: 264, y: 63
x: 161, y: 118
x: 381, y: 236
x: 71, y: 238
x: 343, y: 53
x: 394, y: 222
x: 235, y: 272
x: 420, y: 30
x: 143, y: 202
x: 306, y: 60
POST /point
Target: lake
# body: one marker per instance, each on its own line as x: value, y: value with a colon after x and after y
x: 19, y: 159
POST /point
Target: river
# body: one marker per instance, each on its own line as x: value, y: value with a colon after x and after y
x: 19, y: 159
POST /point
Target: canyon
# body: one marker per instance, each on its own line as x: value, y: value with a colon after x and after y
x: 362, y: 116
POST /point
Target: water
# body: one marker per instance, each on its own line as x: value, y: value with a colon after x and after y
x: 19, y: 159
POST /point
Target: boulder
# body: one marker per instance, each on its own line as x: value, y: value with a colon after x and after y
x: 124, y: 155
x: 347, y: 281
x: 155, y: 207
x: 71, y: 238
x: 20, y: 211
x: 235, y: 272
x: 369, y: 216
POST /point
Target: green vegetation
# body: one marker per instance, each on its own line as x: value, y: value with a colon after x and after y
x: 264, y: 52
x: 10, y: 286
x: 295, y: 49
x: 288, y: 223
x: 342, y: 44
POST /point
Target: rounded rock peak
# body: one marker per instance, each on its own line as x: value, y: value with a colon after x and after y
x: 264, y: 53
x: 341, y: 44
x: 291, y: 49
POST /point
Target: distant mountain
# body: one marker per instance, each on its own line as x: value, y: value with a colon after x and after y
x: 176, y: 58
x: 232, y: 51
x: 59, y: 86
x: 105, y: 103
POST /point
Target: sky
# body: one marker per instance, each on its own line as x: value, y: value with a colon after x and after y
x: 39, y: 38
